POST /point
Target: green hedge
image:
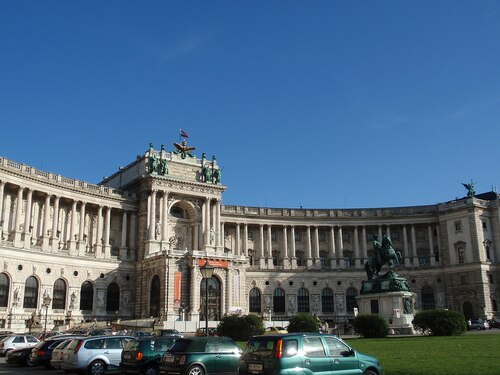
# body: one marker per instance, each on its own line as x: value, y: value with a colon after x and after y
x: 440, y: 322
x: 303, y: 322
x: 241, y: 328
x: 371, y: 326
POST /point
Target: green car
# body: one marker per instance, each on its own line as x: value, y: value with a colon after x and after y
x: 143, y: 355
x: 202, y: 356
x: 305, y: 354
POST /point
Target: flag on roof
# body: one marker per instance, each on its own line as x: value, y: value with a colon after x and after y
x: 184, y: 134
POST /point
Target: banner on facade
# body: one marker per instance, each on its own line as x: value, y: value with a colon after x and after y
x: 214, y: 263
x: 177, y: 289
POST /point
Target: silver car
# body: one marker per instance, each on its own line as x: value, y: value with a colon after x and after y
x: 17, y: 342
x: 95, y: 354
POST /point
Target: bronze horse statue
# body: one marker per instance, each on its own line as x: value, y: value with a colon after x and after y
x: 383, y: 254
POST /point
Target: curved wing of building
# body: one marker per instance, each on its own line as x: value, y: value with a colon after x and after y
x: 132, y: 246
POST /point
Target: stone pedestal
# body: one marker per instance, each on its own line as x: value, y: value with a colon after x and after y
x: 390, y: 297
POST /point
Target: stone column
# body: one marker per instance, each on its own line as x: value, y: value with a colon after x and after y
x: 196, y: 235
x: 72, y: 239
x: 27, y: 219
x: 81, y: 232
x: 269, y: 241
x: 431, y: 246
x: 309, y: 261
x: 18, y: 220
x: 316, y: 244
x: 2, y: 217
x: 194, y: 296
x: 203, y: 224
x: 245, y: 239
x: 46, y: 219
x: 237, y: 250
x: 123, y: 241
x: 388, y: 231
x: 107, y: 231
x: 357, y: 257
x: 164, y: 221
x: 332, y: 255
x: 380, y: 236
x: 340, y: 248
x: 293, y: 255
x: 55, y: 225
x: 284, y: 250
x: 405, y: 247
x: 229, y: 291
x: 439, y: 243
x: 364, y: 248
x: 219, y: 234
x: 414, y: 245
x: 262, y: 259
x: 99, y: 239
x: 133, y: 236
x: 207, y: 222
x: 152, y: 217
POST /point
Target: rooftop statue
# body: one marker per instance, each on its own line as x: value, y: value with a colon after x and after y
x: 184, y: 149
x: 383, y: 254
x: 470, y: 189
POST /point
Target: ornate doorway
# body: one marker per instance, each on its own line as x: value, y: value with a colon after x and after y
x: 468, y: 310
x: 214, y: 299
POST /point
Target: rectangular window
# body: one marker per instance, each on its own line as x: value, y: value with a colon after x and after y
x: 485, y: 227
x: 322, y: 236
x: 395, y: 236
x: 370, y: 236
x: 273, y: 236
x: 250, y: 235
x: 374, y: 306
x: 421, y: 234
x: 458, y: 226
x: 345, y: 236
x: 297, y: 236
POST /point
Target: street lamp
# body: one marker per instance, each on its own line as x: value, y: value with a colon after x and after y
x: 46, y: 302
x: 206, y: 271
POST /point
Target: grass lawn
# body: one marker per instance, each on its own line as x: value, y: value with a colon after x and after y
x: 458, y: 355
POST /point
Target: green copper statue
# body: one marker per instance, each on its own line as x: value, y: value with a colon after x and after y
x: 383, y: 254
x: 470, y: 189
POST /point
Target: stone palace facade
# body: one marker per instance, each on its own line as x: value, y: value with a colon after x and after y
x: 131, y: 247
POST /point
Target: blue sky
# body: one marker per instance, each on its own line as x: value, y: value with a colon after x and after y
x: 320, y: 104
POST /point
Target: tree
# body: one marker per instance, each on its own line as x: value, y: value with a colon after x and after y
x: 440, y: 322
x: 371, y: 326
x: 241, y: 328
x: 303, y: 322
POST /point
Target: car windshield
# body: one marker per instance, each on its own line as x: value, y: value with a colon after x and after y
x: 262, y: 346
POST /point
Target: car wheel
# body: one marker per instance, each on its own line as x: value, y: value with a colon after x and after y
x: 196, y: 370
x: 478, y: 328
x: 151, y: 370
x: 369, y: 372
x: 97, y: 368
x: 29, y: 362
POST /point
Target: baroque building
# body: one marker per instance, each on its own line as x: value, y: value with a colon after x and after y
x: 131, y: 247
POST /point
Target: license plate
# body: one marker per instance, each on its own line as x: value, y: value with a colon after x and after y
x: 168, y: 359
x: 127, y: 356
x: 255, y: 367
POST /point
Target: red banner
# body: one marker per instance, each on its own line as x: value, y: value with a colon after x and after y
x: 214, y: 263
x: 177, y: 289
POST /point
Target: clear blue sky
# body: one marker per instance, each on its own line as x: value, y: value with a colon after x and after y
x: 324, y: 104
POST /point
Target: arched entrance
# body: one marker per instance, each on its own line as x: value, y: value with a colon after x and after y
x: 468, y: 310
x: 214, y: 299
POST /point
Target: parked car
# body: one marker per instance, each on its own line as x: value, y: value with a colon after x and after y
x: 42, y: 352
x: 170, y: 332
x: 202, y: 356
x: 21, y: 357
x: 275, y: 331
x: 478, y: 324
x: 494, y: 323
x: 94, y: 354
x: 200, y: 332
x: 16, y: 342
x: 58, y: 353
x: 304, y: 353
x: 143, y: 355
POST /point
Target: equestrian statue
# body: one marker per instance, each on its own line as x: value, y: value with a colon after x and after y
x: 383, y: 254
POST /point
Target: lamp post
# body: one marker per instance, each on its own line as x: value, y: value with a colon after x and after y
x: 46, y: 302
x: 206, y: 271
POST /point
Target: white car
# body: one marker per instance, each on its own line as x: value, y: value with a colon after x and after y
x: 17, y: 342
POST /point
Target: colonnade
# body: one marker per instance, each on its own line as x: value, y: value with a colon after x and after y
x: 32, y: 218
x: 322, y: 244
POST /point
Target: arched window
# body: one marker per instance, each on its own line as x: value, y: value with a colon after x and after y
x: 154, y: 297
x: 350, y: 299
x: 59, y: 296
x: 4, y: 289
x: 427, y: 298
x: 327, y: 300
x: 31, y: 293
x: 278, y: 300
x: 303, y: 300
x: 254, y: 300
x: 494, y: 304
x: 86, y: 296
x: 113, y: 297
